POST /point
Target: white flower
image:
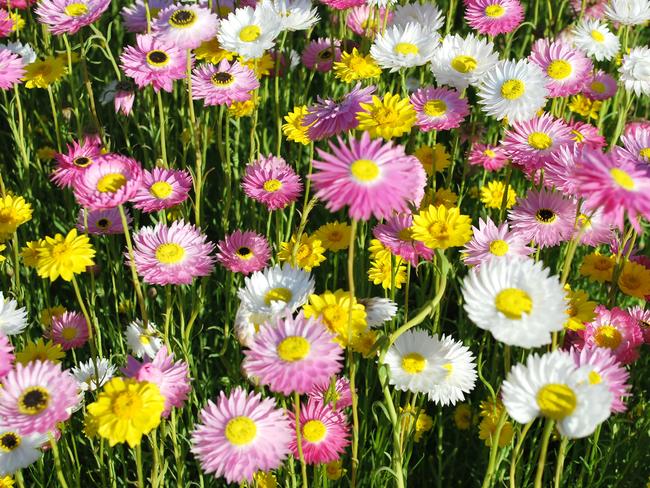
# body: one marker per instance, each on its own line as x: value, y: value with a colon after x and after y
x: 87, y: 373
x: 595, y: 39
x: 18, y: 451
x: 294, y: 15
x: 249, y: 32
x: 460, y: 62
x: 378, y: 310
x: 248, y: 323
x: 380, y: 3
x: 513, y: 89
x: 628, y: 12
x: 404, y: 47
x: 427, y: 15
x: 552, y: 386
x: 635, y: 71
x: 516, y: 300
x: 143, y: 341
x: 13, y: 320
x: 460, y: 372
x: 25, y: 51
x: 272, y: 290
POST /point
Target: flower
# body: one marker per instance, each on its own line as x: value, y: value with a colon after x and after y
x: 628, y: 12
x: 336, y: 393
x: 585, y: 106
x: 566, y: 67
x: 490, y: 415
x: 14, y: 212
x: 172, y: 255
x: 69, y: 16
x: 355, y: 66
x: 212, y: 52
x: 36, y: 396
x: 434, y: 159
x: 427, y: 15
x: 102, y: 222
x: 308, y: 252
x: 581, y: 309
x: 493, y: 17
x: 615, y: 330
x: 185, y: 26
x: 600, y: 86
x: 642, y: 318
x: 459, y: 369
x: 492, y: 243
x: 371, y: 177
x: 594, y: 38
x: 636, y: 146
x: 404, y: 46
x: 162, y: 188
x: 240, y: 435
x: 64, y: 257
x: 396, y: 234
x: 135, y: 15
x: 295, y: 129
x: 294, y: 15
x: 516, y: 300
x: 43, y: 73
x: 492, y: 158
x: 19, y: 450
x: 378, y: 310
x: 492, y: 195
x: 439, y: 108
x: 249, y: 32
x: 6, y: 356
x: 11, y: 69
x: 441, y: 228
x: 363, y: 20
x: 48, y: 314
x: 388, y: 274
x: 75, y: 161
x: 154, y: 62
x: 244, y: 252
x: 126, y: 409
x: 635, y: 69
x: 463, y: 416
x: 69, y: 330
x: 634, y: 280
x: 389, y: 117
x: 143, y: 341
x: 334, y: 236
x: 293, y: 355
x: 552, y: 386
x: 223, y: 84
x: 93, y: 374
x: 321, y: 54
x: 272, y: 182
x: 341, y: 314
x: 598, y: 267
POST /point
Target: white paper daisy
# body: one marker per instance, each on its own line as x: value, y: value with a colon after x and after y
x: 294, y: 15
x: 404, y: 47
x: 143, y: 341
x: 460, y: 372
x: 18, y: 451
x: 427, y: 15
x: 628, y: 12
x: 595, y: 39
x: 93, y: 374
x: 248, y: 323
x: 13, y: 320
x: 635, y: 71
x: 249, y: 32
x: 378, y: 310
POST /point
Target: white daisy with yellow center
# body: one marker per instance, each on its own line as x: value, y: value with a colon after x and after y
x: 18, y: 451
x: 249, y: 32
x: 143, y: 341
x: 404, y: 46
x: 594, y: 38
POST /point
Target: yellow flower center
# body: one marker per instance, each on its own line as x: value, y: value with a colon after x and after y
x: 111, y: 182
x: 597, y: 36
x: 559, y: 69
x: 608, y: 336
x: 489, y: 153
x: 406, y: 48
x: 69, y: 333
x: 364, y: 170
x: 385, y: 116
x: 161, y: 189
x: 314, y: 431
x: 645, y: 153
x: 244, y: 253
x: 448, y: 367
x: 250, y: 33
x: 304, y: 250
x: 595, y: 378
x: 540, y: 140
x: 545, y: 216
x: 334, y: 316
x: 556, y: 401
x: 406, y: 234
x: 182, y: 19
x: 435, y: 108
x: 157, y: 58
x: 145, y: 340
x: 75, y: 9
x: 494, y: 11
x: 241, y: 431
x: 513, y: 303
x: 127, y: 405
x: 499, y: 247
x: 278, y: 294
x: 414, y: 363
x: 221, y: 78
x: 9, y: 441
x: 598, y: 86
x: 464, y: 64
x: 583, y: 221
x: 170, y: 253
x: 513, y: 89
x: 294, y: 348
x: 622, y: 178
x: 272, y: 185
x: 33, y: 400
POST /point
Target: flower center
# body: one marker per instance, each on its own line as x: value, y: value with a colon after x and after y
x: 249, y: 33
x: 489, y: 153
x: 326, y: 54
x: 556, y: 401
x: 608, y: 336
x: 540, y: 140
x: 157, y: 58
x: 241, y: 431
x: 545, y: 216
x: 603, y: 264
x: 75, y: 9
x: 464, y: 64
x: 414, y: 363
x: 244, y: 253
x: 583, y: 221
x: 182, y: 19
x: 9, y: 441
x: 448, y: 367
x: 513, y: 89
x: 559, y: 69
x: 82, y: 162
x: 69, y: 333
x: 499, y: 247
x: 598, y: 86
x: 33, y: 401
x: 364, y: 170
x: 597, y: 36
x: 294, y: 348
x: 278, y: 294
x: 145, y: 340
x: 494, y: 11
x: 622, y: 178
x: 513, y: 303
x: 111, y: 182
x: 406, y: 48
x: 221, y: 78
x: 127, y: 405
x: 435, y: 108
x: 170, y: 253
x: 103, y: 223
x: 406, y: 234
x: 645, y: 153
x: 272, y: 185
x: 595, y: 378
x: 161, y: 189
x: 314, y: 431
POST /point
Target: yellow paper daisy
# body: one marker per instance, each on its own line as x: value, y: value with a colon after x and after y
x: 581, y: 309
x: 333, y: 309
x: 598, y: 267
x: 335, y: 236
x: 42, y: 73
x: 389, y: 117
x: 64, y: 256
x: 355, y: 66
x: 294, y: 129
x: 440, y: 228
x: 308, y: 255
x: 40, y: 350
x: 492, y: 195
x: 14, y: 211
x: 434, y: 158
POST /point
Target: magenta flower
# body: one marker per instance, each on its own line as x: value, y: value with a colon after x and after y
x: 223, y: 84
x: 615, y: 330
x: 6, y: 356
x: 636, y: 147
x: 6, y: 24
x: 320, y: 54
x: 593, y: 9
x: 642, y: 318
x: 244, y: 252
x: 396, y: 235
x: 76, y: 161
x: 18, y: 4
x: 70, y: 330
x: 272, y: 182
x: 342, y: 4
x: 439, y: 108
x: 567, y: 68
x: 102, y: 222
x: 135, y: 15
x: 339, y: 398
x: 493, y: 17
x: 586, y: 135
x: 359, y: 19
x: 68, y: 16
x: 600, y: 86
x: 11, y: 69
x: 490, y: 242
x: 492, y: 158
x: 162, y: 188
x: 596, y: 229
x: 123, y: 97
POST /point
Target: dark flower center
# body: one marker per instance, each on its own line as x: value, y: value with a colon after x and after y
x: 182, y: 18
x: 82, y: 161
x: 545, y: 215
x: 103, y: 223
x: 326, y: 54
x: 9, y: 441
x: 222, y: 78
x: 157, y: 57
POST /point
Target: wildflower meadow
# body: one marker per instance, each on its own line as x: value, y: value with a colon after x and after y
x: 328, y: 243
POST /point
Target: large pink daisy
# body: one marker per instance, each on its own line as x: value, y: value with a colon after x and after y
x: 492, y: 17
x: 70, y: 330
x: 244, y: 252
x: 615, y: 330
x: 185, y: 25
x: 636, y: 147
x: 272, y: 182
x: 223, y: 84
x: 439, y: 108
x: 162, y: 188
x: 567, y: 68
x: 68, y: 16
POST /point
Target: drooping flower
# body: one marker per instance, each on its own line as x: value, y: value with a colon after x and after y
x: 77, y: 159
x: 244, y: 252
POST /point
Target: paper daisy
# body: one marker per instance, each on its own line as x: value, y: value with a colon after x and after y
x: 321, y: 54
x: 13, y: 320
x: 595, y: 39
x: 566, y: 67
x: 135, y: 15
x: 493, y: 17
x: 439, y: 108
x: 68, y: 16
x: 6, y: 356
x: 397, y: 236
x: 636, y: 146
x: 337, y: 393
x: 19, y: 450
x: 378, y: 310
x: 244, y: 252
x: 404, y: 46
x: 272, y: 182
x: 69, y: 330
x: 635, y: 70
x: 102, y: 222
x: 248, y: 323
x: 517, y: 300
x: 185, y: 25
x: 74, y: 162
x: 364, y: 21
x: 249, y: 32
x: 586, y: 135
x: 162, y: 188
x: 143, y: 341
x: 615, y: 330
x: 492, y: 243
x: 387, y: 117
x: 642, y: 318
x: 11, y: 69
x: 223, y: 84
x: 459, y: 368
x: 93, y: 374
x: 344, y: 317
x: 334, y: 236
x: 427, y: 15
x: 593, y: 227
x: 492, y: 158
x: 294, y: 15
x: 441, y: 228
x: 628, y: 12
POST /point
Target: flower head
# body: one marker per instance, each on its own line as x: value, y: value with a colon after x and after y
x: 493, y: 17
x: 223, y: 84
x: 162, y: 188
x: 439, y: 108
x: 244, y: 252
x: 64, y: 256
x: 69, y: 330
x: 490, y: 243
x: 441, y: 228
x: 68, y: 16
x: 272, y: 182
x: 389, y: 117
x: 185, y: 25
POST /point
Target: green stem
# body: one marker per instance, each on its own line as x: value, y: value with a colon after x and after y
x: 134, y: 271
x: 351, y: 361
x: 515, y: 455
x: 494, y: 450
x: 303, y: 465
x: 138, y: 465
x: 541, y: 462
x: 560, y: 461
x: 57, y: 462
x: 161, y: 115
x: 55, y: 118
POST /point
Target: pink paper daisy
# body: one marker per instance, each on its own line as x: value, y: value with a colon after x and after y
x: 636, y: 147
x: 223, y: 84
x: 185, y: 25
x: 615, y: 330
x: 492, y: 17
x: 603, y: 367
x: 324, y: 433
x: 110, y: 181
x: 102, y: 222
x: 240, y: 435
x: 363, y: 19
x: 172, y: 255
x: 439, y: 108
x: 328, y: 118
x: 642, y: 318
x: 162, y: 188
x: 597, y: 230
x: 543, y: 217
x: 171, y: 377
x: 244, y: 252
x: 490, y: 242
x: 75, y: 162
x: 123, y: 97
x: 567, y: 68
x: 272, y: 182
x: 600, y: 86
x: 70, y: 330
x: 293, y: 355
x: 36, y: 396
x: 339, y: 398
x: 320, y: 54
x: 369, y: 176
x: 396, y: 235
x: 342, y: 4
x: 154, y: 62
x: 6, y: 356
x: 11, y: 69
x: 492, y: 158
x: 586, y: 135
x: 135, y: 15
x: 6, y: 24
x: 68, y: 16
x: 17, y: 4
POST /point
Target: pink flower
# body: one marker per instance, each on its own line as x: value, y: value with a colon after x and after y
x: 6, y: 356
x: 439, y: 108
x: 490, y: 242
x: 593, y: 9
x: 19, y: 4
x: 597, y: 230
x: 320, y: 54
x: 636, y: 147
x: 492, y: 158
x: 11, y: 69
x: 272, y: 182
x: 6, y: 24
x: 70, y: 330
x: 162, y: 188
x: 123, y: 98
x: 68, y: 16
x: 642, y: 318
x: 185, y: 25
x: 339, y: 398
x: 223, y: 84
x: 600, y: 86
x: 135, y: 15
x: 244, y: 252
x: 586, y: 135
x: 396, y: 235
x: 102, y: 222
x: 359, y: 19
x: 75, y: 162
x: 567, y: 68
x: 615, y: 330
x: 493, y: 17
x: 342, y: 4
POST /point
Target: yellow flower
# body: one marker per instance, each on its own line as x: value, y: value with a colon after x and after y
x: 423, y: 422
x: 490, y: 414
x: 19, y: 23
x: 47, y: 314
x: 244, y: 109
x: 309, y: 254
x: 440, y: 228
x: 355, y: 66
x: 365, y: 343
x: 389, y: 117
x: 40, y: 350
x: 377, y: 250
x: 433, y: 158
x: 42, y: 73
x: 64, y: 256
x: 598, y: 267
x: 2, y: 248
x: 265, y: 480
x: 492, y: 195
x: 634, y: 280
x: 463, y: 416
x: 334, y: 470
x: 29, y: 253
x: 334, y: 309
x: 261, y: 66
x: 581, y: 309
x: 212, y: 52
x: 335, y: 236
x: 294, y: 129
x: 126, y: 409
x: 442, y: 196
x: 387, y: 271
x: 46, y: 153
x: 6, y: 482
x: 14, y: 211
x: 585, y: 106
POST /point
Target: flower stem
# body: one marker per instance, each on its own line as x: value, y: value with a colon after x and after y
x: 163, y: 143
x: 494, y: 449
x: 352, y: 366
x: 54, y: 118
x: 134, y: 271
x: 303, y: 465
x: 541, y: 462
x: 560, y: 461
x: 515, y: 455
x: 138, y: 465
